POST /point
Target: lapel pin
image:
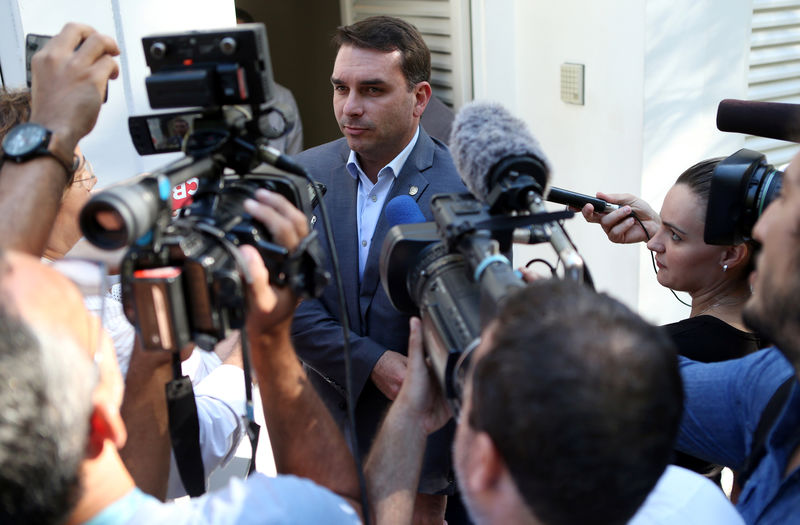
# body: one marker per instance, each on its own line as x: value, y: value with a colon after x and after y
x: 413, y: 190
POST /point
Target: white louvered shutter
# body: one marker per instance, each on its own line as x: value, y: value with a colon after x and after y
x: 774, y: 74
x: 444, y: 25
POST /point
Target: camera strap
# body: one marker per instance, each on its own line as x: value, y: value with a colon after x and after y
x: 184, y: 430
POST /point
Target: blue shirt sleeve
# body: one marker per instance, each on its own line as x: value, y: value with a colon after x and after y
x: 723, y: 404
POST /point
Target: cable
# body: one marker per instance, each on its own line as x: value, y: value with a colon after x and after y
x: 348, y: 368
x: 653, y: 259
x: 553, y: 269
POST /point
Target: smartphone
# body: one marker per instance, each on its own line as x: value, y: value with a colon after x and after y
x: 34, y: 43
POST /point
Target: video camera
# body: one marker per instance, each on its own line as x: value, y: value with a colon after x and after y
x: 452, y: 272
x: 742, y: 186
x: 182, y: 279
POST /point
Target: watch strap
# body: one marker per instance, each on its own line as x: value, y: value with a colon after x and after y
x: 43, y: 150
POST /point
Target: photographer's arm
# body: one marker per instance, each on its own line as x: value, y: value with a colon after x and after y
x: 395, y: 461
x: 68, y: 88
x: 305, y: 440
x: 619, y: 225
x: 144, y: 410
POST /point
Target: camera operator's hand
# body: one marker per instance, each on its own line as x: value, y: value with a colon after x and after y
x: 68, y: 87
x: 420, y: 392
x: 287, y: 224
x: 69, y: 84
x: 305, y: 439
x: 619, y: 225
x: 272, y: 306
x: 395, y: 461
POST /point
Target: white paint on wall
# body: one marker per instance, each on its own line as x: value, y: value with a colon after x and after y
x: 654, y: 73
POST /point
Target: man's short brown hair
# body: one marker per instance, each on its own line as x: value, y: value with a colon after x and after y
x: 386, y: 33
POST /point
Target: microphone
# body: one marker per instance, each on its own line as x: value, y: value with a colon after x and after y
x: 403, y: 209
x: 774, y: 120
x: 273, y: 156
x: 501, y: 162
x: 579, y: 200
x: 489, y: 144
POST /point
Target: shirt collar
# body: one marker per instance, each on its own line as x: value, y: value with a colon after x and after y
x: 395, y: 165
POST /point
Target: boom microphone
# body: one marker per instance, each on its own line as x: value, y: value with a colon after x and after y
x: 773, y: 120
x: 502, y: 165
x: 488, y: 143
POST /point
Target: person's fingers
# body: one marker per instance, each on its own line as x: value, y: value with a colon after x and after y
x: 616, y: 198
x: 72, y: 34
x: 262, y: 296
x: 620, y: 230
x: 107, y: 68
x: 286, y: 223
x: 96, y: 46
x: 415, y: 341
x: 285, y: 208
x: 589, y: 214
x: 609, y: 220
x: 279, y: 226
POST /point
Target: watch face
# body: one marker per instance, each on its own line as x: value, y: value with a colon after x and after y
x: 24, y: 139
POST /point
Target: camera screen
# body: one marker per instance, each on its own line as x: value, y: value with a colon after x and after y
x: 162, y: 133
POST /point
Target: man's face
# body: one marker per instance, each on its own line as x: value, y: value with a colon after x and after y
x: 44, y: 297
x: 376, y: 111
x: 773, y: 309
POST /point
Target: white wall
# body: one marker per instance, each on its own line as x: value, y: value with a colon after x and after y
x: 108, y: 145
x: 654, y: 73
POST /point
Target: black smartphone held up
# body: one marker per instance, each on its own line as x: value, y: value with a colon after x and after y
x: 34, y: 43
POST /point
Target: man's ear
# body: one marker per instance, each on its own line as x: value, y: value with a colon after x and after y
x: 486, y: 465
x: 105, y: 423
x: 422, y: 94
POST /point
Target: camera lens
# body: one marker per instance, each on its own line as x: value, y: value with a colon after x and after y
x: 118, y: 216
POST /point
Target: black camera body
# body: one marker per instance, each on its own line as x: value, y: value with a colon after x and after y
x: 742, y: 186
x: 188, y: 285
x: 209, y: 68
x: 182, y: 278
x: 454, y: 275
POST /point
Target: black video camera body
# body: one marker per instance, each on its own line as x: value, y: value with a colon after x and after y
x: 182, y: 278
x: 742, y: 186
x: 453, y: 273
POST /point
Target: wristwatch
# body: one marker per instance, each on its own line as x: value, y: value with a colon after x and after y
x: 27, y: 141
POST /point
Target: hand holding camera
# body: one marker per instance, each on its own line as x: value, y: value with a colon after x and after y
x: 68, y: 93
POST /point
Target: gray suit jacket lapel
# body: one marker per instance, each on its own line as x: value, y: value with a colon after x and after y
x: 342, y: 209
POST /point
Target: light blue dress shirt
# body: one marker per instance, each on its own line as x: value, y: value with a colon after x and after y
x: 370, y: 198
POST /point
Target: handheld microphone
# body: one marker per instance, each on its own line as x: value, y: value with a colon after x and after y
x: 403, y: 209
x: 774, y: 120
x: 579, y: 200
x: 493, y: 150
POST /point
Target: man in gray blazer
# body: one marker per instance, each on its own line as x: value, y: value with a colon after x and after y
x: 380, y: 90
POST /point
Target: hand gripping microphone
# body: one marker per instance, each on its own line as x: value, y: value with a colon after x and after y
x: 503, y: 166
